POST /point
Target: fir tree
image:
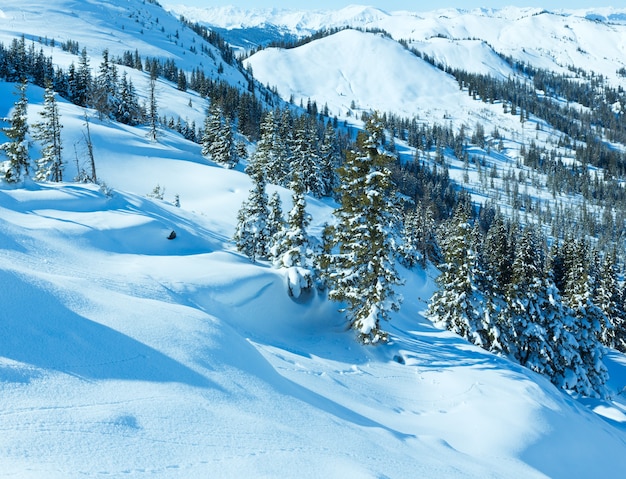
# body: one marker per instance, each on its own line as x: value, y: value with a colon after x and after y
x: 362, y: 271
x: 275, y: 221
x: 418, y: 239
x: 104, y: 93
x: 458, y: 304
x: 48, y: 133
x: 587, y: 324
x: 82, y: 84
x: 153, y: 114
x: 292, y: 247
x: 329, y: 161
x: 128, y: 111
x: 499, y: 254
x: 533, y: 318
x: 217, y: 141
x: 606, y: 296
x: 566, y: 364
x: 16, y: 149
x: 304, y: 160
x: 270, y: 158
x: 252, y: 235
x: 619, y: 325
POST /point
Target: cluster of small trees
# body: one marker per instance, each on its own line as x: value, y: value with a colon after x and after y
x: 47, y: 132
x: 300, y: 144
x: 551, y: 309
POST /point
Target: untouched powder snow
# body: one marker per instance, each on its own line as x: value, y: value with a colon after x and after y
x: 349, y: 67
x: 125, y: 353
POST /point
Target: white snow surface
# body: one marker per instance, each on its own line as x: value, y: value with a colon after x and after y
x: 125, y: 354
x: 366, y: 70
x: 471, y: 40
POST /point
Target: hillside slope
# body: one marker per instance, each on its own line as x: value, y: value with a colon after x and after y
x: 590, y: 38
x: 353, y: 74
x: 123, y: 353
x: 113, y: 25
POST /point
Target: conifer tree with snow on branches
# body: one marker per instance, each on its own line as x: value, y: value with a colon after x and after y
x: 588, y: 319
x: 459, y: 304
x: 361, y: 267
x: 16, y: 149
x: 252, y: 236
x: 217, y: 140
x: 48, y: 133
x: 292, y: 247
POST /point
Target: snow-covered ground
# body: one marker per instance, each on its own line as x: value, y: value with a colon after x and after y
x: 125, y: 354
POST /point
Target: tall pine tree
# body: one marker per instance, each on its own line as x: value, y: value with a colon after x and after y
x: 588, y: 318
x: 217, y: 140
x: 48, y: 133
x: 16, y: 149
x: 292, y: 246
x: 362, y: 266
x: 270, y: 158
x: 252, y: 236
x: 459, y: 304
x: 534, y: 321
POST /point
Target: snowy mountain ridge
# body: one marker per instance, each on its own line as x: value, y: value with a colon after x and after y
x: 299, y: 21
x: 123, y: 352
x: 401, y: 24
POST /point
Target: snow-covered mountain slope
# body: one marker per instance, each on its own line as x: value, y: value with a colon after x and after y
x: 592, y: 39
x: 352, y: 72
x: 117, y: 26
x: 360, y: 63
x: 296, y: 22
x: 123, y: 352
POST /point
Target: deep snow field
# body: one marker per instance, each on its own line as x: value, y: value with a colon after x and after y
x: 123, y: 353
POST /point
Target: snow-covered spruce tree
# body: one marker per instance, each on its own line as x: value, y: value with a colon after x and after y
x: 16, y: 149
x: 566, y: 366
x: 587, y: 325
x: 128, y: 111
x: 619, y: 327
x: 410, y: 254
x: 81, y: 81
x: 217, y: 140
x: 499, y: 254
x: 48, y: 133
x: 104, y: 92
x: 304, y: 160
x: 535, y: 322
x: 251, y: 234
x: 329, y: 160
x: 458, y: 304
x: 270, y: 158
x: 275, y: 223
x: 606, y: 295
x: 361, y: 269
x: 292, y: 247
x: 153, y: 113
x: 418, y: 238
x: 496, y: 264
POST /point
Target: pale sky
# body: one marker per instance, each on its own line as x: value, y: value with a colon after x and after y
x: 390, y: 5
